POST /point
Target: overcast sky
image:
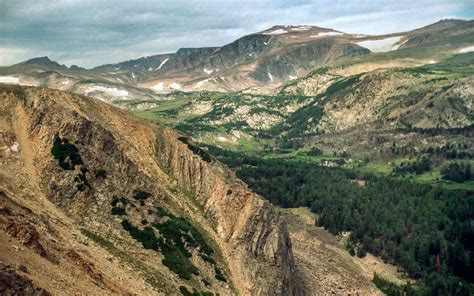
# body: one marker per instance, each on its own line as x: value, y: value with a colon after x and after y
x: 94, y: 32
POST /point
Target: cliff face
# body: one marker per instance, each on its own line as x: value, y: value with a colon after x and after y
x: 257, y: 246
x: 84, y: 160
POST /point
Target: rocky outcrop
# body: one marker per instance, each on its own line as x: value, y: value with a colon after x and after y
x: 257, y: 245
x: 12, y: 283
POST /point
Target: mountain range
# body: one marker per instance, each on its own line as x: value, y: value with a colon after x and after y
x: 267, y: 58
x: 254, y: 168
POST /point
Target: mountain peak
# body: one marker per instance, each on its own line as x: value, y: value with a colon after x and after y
x: 43, y: 61
x: 445, y: 23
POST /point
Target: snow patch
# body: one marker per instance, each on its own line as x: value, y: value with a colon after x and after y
x: 208, y: 71
x: 382, y: 45
x: 359, y: 35
x: 270, y: 76
x: 175, y: 86
x: 292, y: 77
x: 109, y: 90
x: 133, y: 75
x: 324, y: 34
x: 202, y: 82
x: 158, y: 87
x: 300, y: 28
x: 397, y: 46
x: 466, y: 49
x: 276, y: 32
x: 221, y: 139
x: 162, y: 63
x: 150, y: 69
x: 9, y: 79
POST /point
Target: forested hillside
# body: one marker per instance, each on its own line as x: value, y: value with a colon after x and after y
x: 426, y: 230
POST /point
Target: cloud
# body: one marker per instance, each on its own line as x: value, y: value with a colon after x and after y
x: 90, y: 33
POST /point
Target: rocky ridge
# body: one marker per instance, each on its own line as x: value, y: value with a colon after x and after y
x: 120, y: 155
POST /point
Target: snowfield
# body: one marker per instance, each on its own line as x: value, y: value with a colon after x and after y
x: 108, y: 90
x: 9, y: 79
x: 466, y: 49
x: 324, y: 34
x: 382, y: 45
x: 175, y: 86
x: 300, y: 28
x: 207, y: 71
x: 276, y: 32
x: 158, y: 87
x: 202, y: 82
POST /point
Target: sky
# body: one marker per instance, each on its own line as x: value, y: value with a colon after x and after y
x: 89, y: 33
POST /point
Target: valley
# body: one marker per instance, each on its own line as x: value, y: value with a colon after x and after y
x: 297, y: 160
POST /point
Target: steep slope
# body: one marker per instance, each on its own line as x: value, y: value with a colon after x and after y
x: 68, y: 162
x: 437, y: 95
x: 364, y: 113
x: 268, y: 57
x: 133, y: 71
x: 43, y: 61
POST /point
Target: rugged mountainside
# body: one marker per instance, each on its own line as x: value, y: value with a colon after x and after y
x: 329, y: 102
x: 133, y: 71
x: 80, y: 178
x: 257, y: 62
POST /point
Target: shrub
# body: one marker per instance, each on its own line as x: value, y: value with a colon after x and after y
x: 185, y: 291
x: 457, y: 172
x: 174, y: 234
x: 418, y: 167
x: 388, y: 288
x: 196, y: 150
x: 67, y: 154
x: 101, y: 174
x: 114, y: 201
x: 141, y: 195
x: 219, y: 276
x: 207, y: 258
x: 314, y: 152
x: 81, y: 180
x: 118, y: 211
x: 160, y: 211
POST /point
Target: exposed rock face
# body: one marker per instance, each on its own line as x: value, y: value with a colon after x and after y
x: 258, y: 246
x: 11, y: 283
x: 247, y: 231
